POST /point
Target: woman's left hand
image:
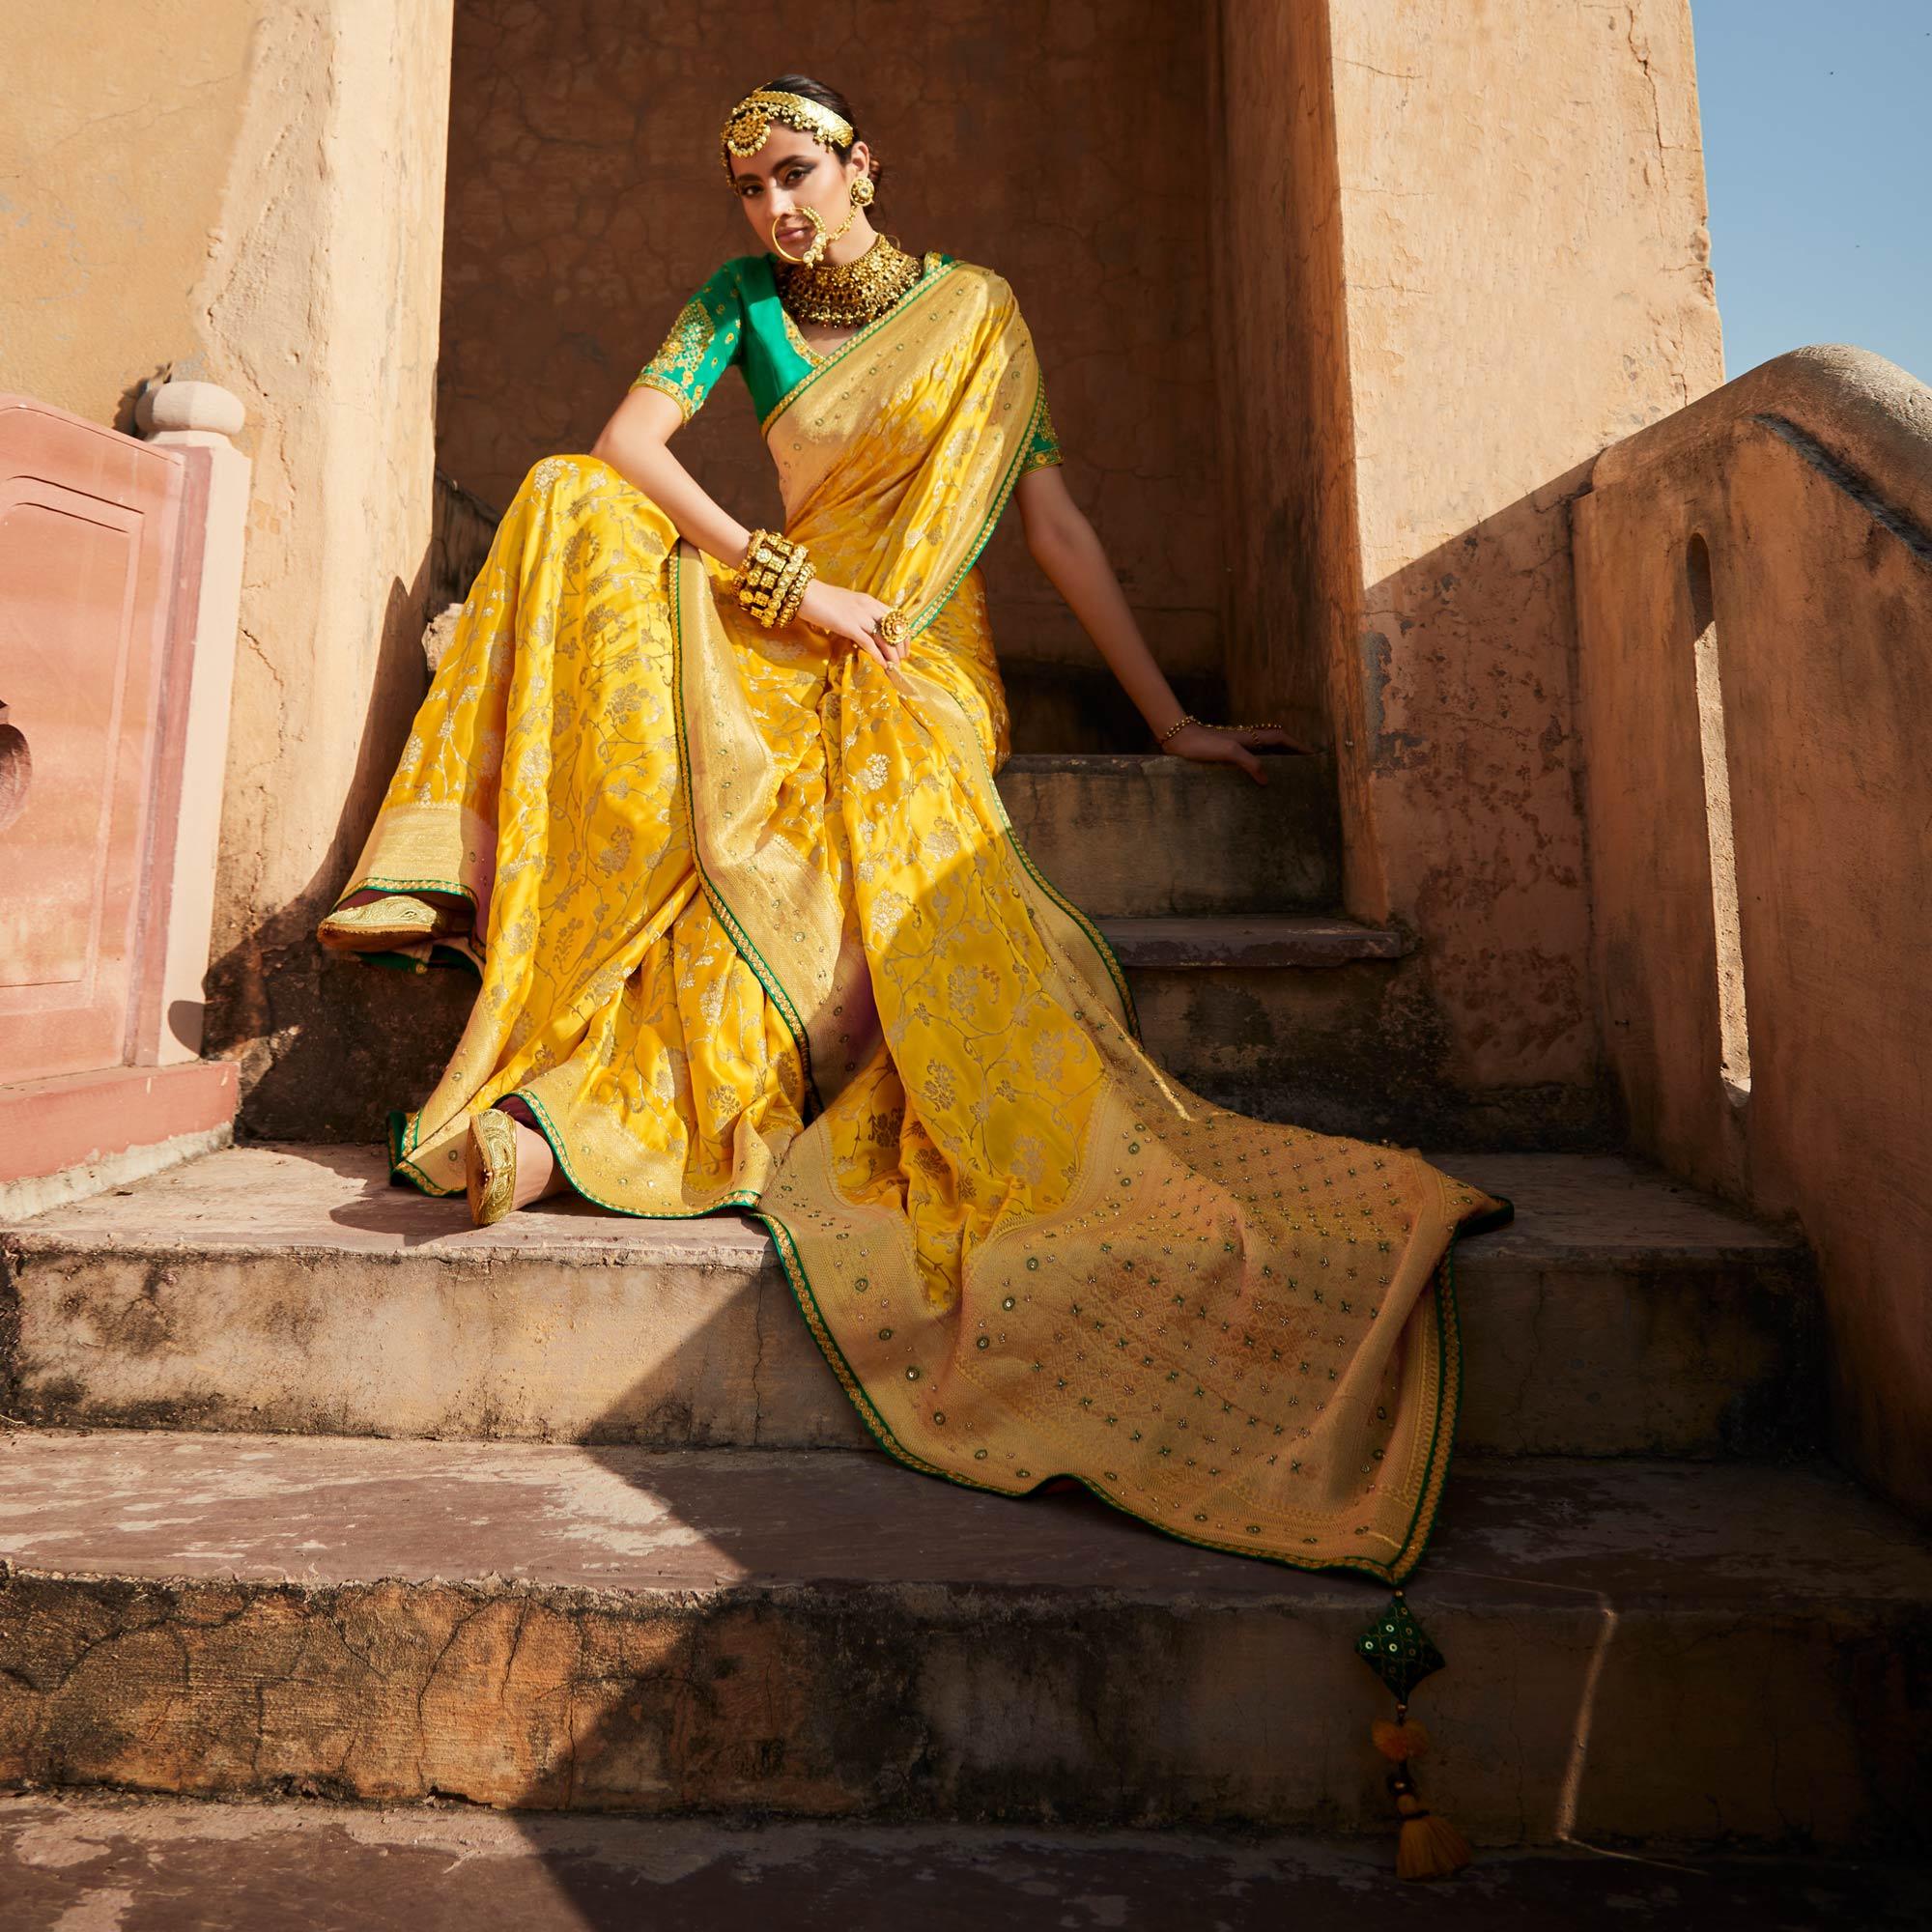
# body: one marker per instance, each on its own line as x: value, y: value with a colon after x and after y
x: 1224, y: 745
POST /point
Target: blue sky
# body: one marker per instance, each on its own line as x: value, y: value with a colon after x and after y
x: 1818, y: 150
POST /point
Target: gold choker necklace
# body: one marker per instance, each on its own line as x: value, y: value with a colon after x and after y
x: 847, y: 294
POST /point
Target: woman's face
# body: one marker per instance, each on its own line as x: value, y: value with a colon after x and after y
x: 791, y: 172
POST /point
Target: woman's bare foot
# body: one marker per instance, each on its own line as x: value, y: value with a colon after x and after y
x: 537, y: 1173
x: 507, y: 1163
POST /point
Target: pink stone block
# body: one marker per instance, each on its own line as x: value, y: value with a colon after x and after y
x: 90, y: 666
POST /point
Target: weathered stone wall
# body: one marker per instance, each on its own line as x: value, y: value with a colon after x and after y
x: 1788, y: 518
x: 1061, y: 145
x: 1527, y: 278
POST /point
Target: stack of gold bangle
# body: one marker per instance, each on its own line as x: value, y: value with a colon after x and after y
x: 772, y: 579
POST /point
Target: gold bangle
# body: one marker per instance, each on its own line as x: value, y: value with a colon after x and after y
x: 795, y: 596
x: 794, y: 593
x: 774, y: 598
x: 774, y: 567
x: 1185, y: 718
x: 751, y: 547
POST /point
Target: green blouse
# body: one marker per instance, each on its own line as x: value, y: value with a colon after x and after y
x: 736, y: 317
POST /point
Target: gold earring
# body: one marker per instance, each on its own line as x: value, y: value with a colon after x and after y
x: 862, y: 192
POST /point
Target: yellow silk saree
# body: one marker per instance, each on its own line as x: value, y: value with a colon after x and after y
x: 754, y: 932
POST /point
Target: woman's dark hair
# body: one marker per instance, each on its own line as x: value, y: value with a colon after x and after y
x: 828, y: 97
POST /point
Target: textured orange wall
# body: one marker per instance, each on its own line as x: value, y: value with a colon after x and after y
x: 1526, y: 277
x: 1288, y: 476
x: 1062, y: 144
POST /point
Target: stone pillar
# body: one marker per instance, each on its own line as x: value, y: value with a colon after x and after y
x: 1525, y: 278
x: 318, y: 305
x: 202, y: 416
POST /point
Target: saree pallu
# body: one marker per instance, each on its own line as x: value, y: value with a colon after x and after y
x: 753, y: 931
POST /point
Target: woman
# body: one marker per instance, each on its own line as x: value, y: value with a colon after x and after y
x: 712, y: 812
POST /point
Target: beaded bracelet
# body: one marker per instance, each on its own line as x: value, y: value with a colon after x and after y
x: 1187, y: 718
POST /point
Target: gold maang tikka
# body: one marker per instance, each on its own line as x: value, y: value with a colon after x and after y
x: 749, y: 125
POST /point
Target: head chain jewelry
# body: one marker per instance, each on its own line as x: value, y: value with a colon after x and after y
x: 749, y: 125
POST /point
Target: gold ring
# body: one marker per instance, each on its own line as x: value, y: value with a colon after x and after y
x: 891, y: 628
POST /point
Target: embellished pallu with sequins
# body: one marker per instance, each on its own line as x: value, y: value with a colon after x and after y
x: 754, y: 932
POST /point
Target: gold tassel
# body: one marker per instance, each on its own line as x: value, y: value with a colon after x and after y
x: 1427, y: 1845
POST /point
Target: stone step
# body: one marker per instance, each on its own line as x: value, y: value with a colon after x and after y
x: 1637, y: 1651
x: 1317, y: 1020
x: 1148, y: 836
x: 76, y: 1859
x: 293, y: 1288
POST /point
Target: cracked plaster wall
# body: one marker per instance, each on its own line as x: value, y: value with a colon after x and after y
x: 1060, y: 145
x: 1528, y: 279
x: 112, y: 160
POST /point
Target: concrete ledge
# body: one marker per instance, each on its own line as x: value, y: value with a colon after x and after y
x: 1636, y: 1650
x: 75, y: 1134
x: 294, y: 1288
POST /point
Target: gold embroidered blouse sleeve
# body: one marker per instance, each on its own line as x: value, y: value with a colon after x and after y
x: 707, y: 337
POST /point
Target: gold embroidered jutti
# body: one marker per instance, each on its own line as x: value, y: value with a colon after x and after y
x: 754, y: 930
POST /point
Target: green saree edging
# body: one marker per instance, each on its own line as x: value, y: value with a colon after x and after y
x: 734, y: 930
x: 561, y: 1152
x: 405, y: 1132
x: 403, y: 1169
x: 1448, y: 1404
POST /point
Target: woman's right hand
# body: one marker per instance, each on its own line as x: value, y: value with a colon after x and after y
x: 849, y: 614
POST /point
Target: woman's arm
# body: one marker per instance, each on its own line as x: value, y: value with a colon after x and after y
x: 1064, y: 545
x: 636, y: 443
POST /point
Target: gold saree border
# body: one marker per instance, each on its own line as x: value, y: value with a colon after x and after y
x: 389, y: 885
x: 1008, y: 350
